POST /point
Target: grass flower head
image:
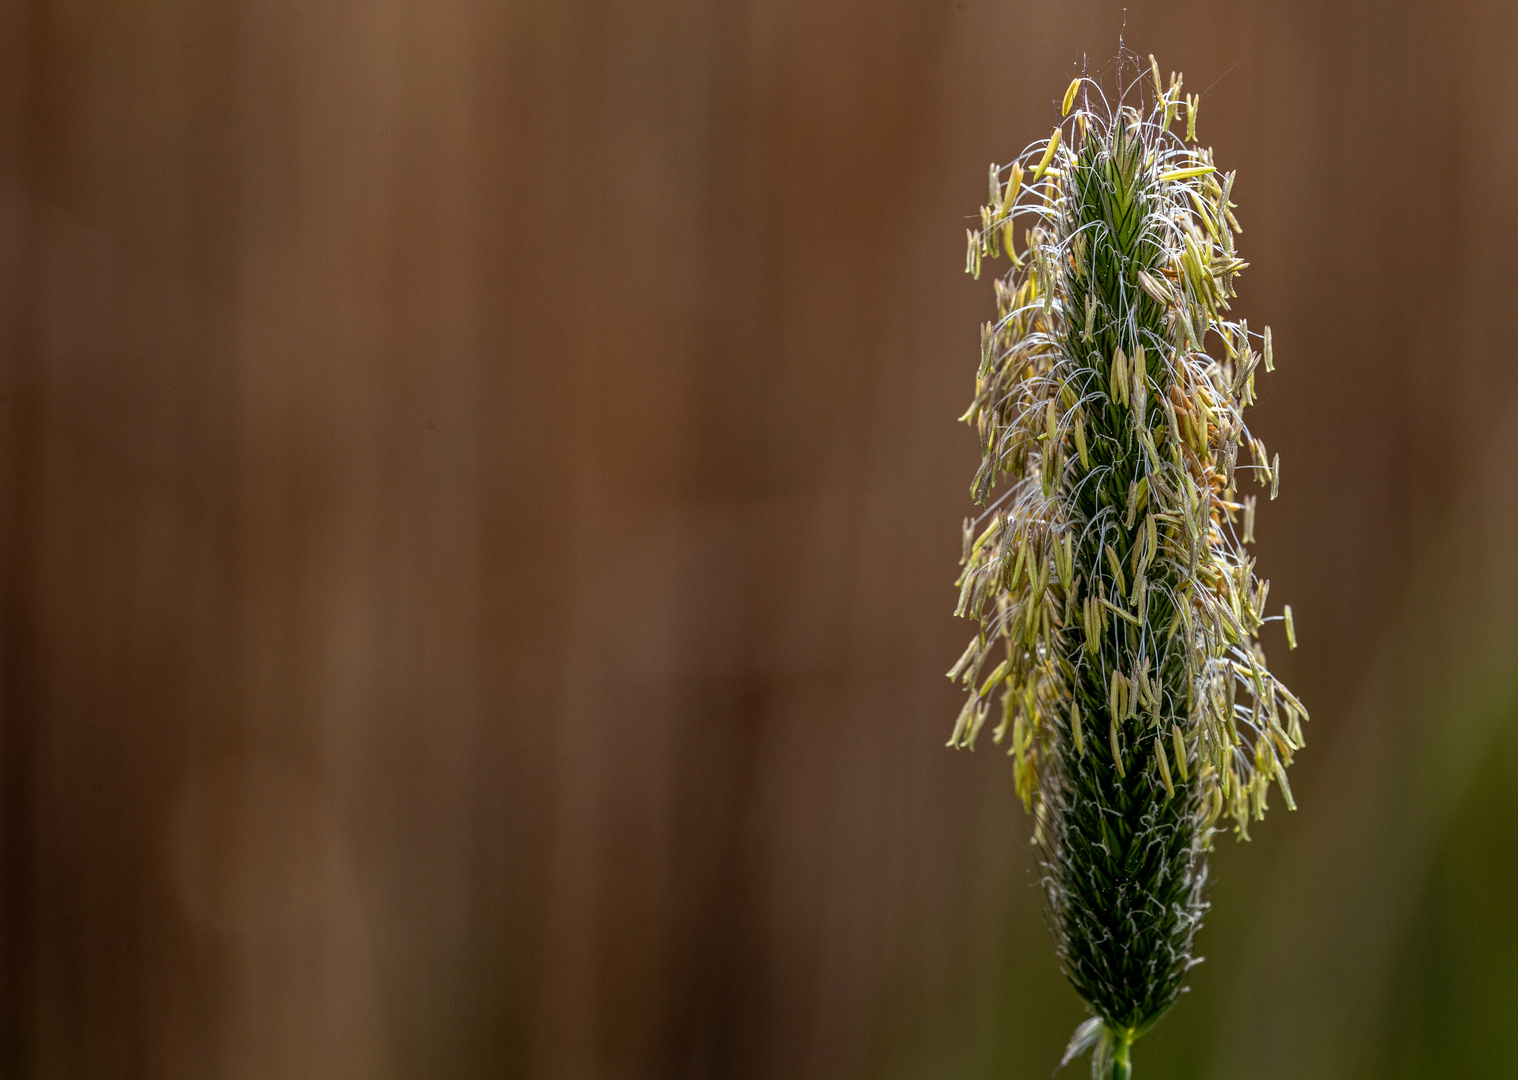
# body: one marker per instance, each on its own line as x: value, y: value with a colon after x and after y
x: 1117, y: 655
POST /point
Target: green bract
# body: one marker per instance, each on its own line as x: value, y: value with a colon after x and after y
x: 1111, y: 569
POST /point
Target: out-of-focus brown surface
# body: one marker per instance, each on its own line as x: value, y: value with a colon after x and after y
x: 480, y: 497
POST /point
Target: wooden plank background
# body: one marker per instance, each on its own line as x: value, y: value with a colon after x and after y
x: 479, y: 495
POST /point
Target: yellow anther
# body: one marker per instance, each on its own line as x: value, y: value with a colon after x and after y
x: 1043, y: 163
x: 1119, y: 612
x: 1064, y: 109
x: 1187, y: 173
x: 1159, y: 756
x: 1117, y: 568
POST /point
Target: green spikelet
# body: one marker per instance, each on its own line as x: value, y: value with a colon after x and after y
x: 1111, y: 566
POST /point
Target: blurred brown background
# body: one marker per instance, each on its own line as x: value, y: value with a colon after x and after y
x: 479, y: 498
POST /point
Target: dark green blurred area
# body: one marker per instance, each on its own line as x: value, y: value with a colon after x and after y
x: 479, y: 497
x: 1454, y: 995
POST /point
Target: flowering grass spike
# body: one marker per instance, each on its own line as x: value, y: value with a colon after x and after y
x: 1111, y: 569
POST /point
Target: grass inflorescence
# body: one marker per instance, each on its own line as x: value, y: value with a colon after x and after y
x: 1111, y: 563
